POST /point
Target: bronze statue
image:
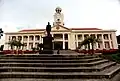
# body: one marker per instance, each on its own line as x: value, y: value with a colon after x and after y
x: 48, y: 29
x: 47, y: 42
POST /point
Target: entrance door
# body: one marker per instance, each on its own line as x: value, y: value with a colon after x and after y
x: 56, y: 45
x: 66, y: 45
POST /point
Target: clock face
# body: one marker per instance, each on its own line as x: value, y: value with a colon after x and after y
x: 58, y: 19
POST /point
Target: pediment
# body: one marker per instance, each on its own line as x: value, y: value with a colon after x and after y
x: 59, y: 28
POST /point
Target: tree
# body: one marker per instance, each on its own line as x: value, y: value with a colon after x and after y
x: 19, y: 44
x: 22, y: 45
x: 93, y: 41
x: 89, y: 40
x: 12, y: 43
x: 85, y: 43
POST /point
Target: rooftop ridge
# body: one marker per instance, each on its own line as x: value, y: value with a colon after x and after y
x: 64, y: 27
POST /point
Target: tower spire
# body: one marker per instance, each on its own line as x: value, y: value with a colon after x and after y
x: 58, y: 17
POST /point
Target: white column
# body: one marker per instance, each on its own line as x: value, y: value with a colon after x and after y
x: 103, y: 44
x: 83, y: 37
x: 69, y: 41
x: 28, y: 43
x: 90, y: 43
x: 6, y: 46
x: 41, y: 39
x: 109, y: 41
x: 34, y: 41
x: 77, y: 39
x: 22, y: 39
x: 16, y: 38
x: 72, y: 41
x: 63, y: 42
x: 82, y: 40
x: 114, y: 40
x: 96, y: 42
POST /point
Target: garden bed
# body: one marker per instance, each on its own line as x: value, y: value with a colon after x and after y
x: 19, y: 52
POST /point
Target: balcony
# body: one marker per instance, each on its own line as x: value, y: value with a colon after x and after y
x: 13, y: 37
x: 25, y: 38
x: 37, y: 38
x: 31, y: 38
x: 79, y: 37
x: 105, y: 36
x: 19, y: 37
x: 58, y: 36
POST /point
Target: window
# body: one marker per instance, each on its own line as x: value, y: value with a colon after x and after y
x: 107, y: 45
x: 37, y: 38
x: 66, y: 36
x: 110, y: 37
x: 79, y: 37
x: 105, y: 36
x: 25, y: 38
x: 31, y: 38
x: 19, y: 37
x: 13, y: 37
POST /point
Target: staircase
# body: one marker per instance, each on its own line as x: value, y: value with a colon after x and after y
x: 57, y: 67
x: 66, y: 52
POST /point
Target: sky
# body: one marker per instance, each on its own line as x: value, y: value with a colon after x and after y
x: 16, y: 15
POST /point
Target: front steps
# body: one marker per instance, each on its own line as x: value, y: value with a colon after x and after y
x: 57, y: 67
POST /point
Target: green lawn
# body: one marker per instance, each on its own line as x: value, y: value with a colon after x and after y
x: 114, y: 57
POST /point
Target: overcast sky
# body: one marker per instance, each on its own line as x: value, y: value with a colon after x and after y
x: 24, y: 14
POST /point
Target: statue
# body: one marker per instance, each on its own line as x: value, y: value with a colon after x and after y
x: 48, y: 29
x: 47, y: 41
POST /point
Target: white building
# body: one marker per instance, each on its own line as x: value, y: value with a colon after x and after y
x: 69, y: 38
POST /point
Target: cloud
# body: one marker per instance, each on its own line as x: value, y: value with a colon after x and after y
x: 23, y: 14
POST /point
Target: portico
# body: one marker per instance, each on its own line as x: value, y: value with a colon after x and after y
x: 61, y: 39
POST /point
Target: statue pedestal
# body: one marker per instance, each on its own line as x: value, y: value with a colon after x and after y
x: 47, y: 45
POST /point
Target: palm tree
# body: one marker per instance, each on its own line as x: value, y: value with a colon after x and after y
x: 19, y: 44
x: 93, y: 41
x: 12, y: 44
x: 85, y: 43
x: 89, y: 40
x: 22, y: 44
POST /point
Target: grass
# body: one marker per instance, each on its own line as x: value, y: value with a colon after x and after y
x: 113, y: 57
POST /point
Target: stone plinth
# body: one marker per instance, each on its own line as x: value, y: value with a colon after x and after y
x: 47, y: 45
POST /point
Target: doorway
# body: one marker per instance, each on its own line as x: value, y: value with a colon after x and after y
x: 66, y: 45
x: 56, y: 43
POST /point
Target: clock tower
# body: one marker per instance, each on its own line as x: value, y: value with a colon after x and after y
x: 58, y: 17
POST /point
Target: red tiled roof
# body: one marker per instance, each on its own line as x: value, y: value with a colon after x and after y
x: 27, y: 30
x: 86, y: 29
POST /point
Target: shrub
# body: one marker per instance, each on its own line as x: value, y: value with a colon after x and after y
x: 104, y: 51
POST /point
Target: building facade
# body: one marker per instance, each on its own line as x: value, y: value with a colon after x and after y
x: 68, y: 38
